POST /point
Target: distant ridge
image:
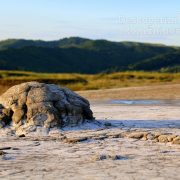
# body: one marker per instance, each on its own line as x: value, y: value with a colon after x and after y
x: 83, y: 55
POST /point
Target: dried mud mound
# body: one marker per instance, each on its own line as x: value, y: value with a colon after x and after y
x: 31, y: 105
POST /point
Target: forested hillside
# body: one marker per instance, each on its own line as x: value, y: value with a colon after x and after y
x: 86, y: 56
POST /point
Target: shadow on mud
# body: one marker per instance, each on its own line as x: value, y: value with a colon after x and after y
x: 142, y: 123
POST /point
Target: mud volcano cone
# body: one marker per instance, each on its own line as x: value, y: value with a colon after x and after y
x: 33, y: 104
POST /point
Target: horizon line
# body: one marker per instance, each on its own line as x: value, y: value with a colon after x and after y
x: 93, y: 39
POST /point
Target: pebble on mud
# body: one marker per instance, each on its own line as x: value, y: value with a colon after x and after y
x: 136, y: 135
x: 2, y: 153
x: 176, y: 140
x: 108, y: 157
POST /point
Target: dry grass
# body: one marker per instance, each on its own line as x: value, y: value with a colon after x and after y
x: 81, y: 82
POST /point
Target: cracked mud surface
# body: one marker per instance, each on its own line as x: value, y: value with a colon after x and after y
x: 116, y: 150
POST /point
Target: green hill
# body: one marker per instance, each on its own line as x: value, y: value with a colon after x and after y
x: 159, y: 62
x: 85, y: 56
x: 21, y: 43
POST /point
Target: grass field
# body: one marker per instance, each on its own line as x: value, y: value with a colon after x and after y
x: 80, y: 82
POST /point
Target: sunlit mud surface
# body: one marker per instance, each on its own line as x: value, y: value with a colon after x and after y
x: 130, y: 141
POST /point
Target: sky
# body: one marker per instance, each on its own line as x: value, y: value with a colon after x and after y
x: 156, y: 21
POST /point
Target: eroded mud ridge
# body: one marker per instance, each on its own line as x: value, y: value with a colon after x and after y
x: 99, y: 132
x: 30, y: 105
x: 153, y: 136
x: 103, y: 133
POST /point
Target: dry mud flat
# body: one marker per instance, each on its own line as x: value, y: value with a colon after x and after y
x: 136, y: 142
